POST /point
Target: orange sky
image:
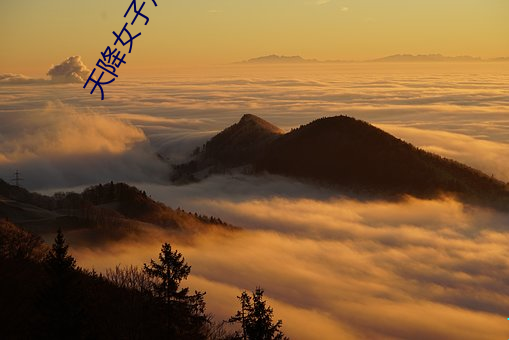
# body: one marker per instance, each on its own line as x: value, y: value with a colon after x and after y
x: 36, y: 34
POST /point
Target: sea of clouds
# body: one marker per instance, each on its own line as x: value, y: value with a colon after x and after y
x: 458, y: 111
x: 337, y: 268
x: 331, y: 266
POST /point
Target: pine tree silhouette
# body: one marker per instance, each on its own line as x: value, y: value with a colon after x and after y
x: 185, y: 318
x: 58, y: 261
x: 255, y: 318
x: 61, y: 299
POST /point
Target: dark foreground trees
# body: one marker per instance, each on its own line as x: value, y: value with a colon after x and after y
x: 256, y: 318
x: 184, y: 313
x: 127, y: 303
x: 61, y: 298
x: 45, y: 295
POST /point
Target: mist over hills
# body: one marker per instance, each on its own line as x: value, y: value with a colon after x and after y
x: 348, y: 154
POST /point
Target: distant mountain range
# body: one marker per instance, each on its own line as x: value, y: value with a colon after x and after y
x: 344, y: 153
x: 397, y: 58
x: 426, y: 58
x: 276, y: 59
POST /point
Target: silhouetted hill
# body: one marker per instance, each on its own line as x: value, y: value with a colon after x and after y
x: 115, y: 208
x: 354, y: 154
x: 359, y: 158
x: 233, y: 147
x: 19, y: 194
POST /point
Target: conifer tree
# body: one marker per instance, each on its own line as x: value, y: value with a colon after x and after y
x: 256, y: 318
x: 61, y: 299
x: 185, y: 314
x: 58, y: 259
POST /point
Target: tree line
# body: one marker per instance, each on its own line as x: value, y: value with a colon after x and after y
x: 48, y: 296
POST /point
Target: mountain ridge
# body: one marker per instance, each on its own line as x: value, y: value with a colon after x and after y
x: 230, y: 148
x: 396, y: 58
x: 116, y: 208
x: 278, y: 59
x: 352, y: 156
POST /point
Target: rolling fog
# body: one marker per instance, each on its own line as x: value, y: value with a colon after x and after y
x: 458, y: 111
x: 333, y: 266
x: 345, y: 269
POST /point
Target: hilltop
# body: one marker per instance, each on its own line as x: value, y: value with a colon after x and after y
x: 344, y: 153
x: 116, y: 209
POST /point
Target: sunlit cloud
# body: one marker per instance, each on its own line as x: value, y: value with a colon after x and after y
x: 488, y: 156
x: 63, y: 145
x: 434, y: 269
x: 71, y: 70
x: 344, y: 264
x: 60, y: 129
x: 179, y: 113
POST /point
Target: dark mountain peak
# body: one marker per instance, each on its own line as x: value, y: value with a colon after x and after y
x: 240, y: 143
x: 341, y: 122
x: 353, y: 154
x: 248, y: 117
x: 250, y: 121
x: 343, y: 119
x: 347, y: 129
x: 346, y: 153
x: 337, y: 136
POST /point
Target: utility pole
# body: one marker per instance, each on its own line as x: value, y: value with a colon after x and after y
x: 17, y: 178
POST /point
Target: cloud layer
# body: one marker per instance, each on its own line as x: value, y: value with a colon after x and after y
x: 420, y: 269
x: 6, y: 78
x: 339, y: 268
x: 419, y: 103
x: 65, y: 146
x: 485, y: 155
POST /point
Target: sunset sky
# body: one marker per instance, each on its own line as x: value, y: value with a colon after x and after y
x: 354, y: 263
x: 36, y: 34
